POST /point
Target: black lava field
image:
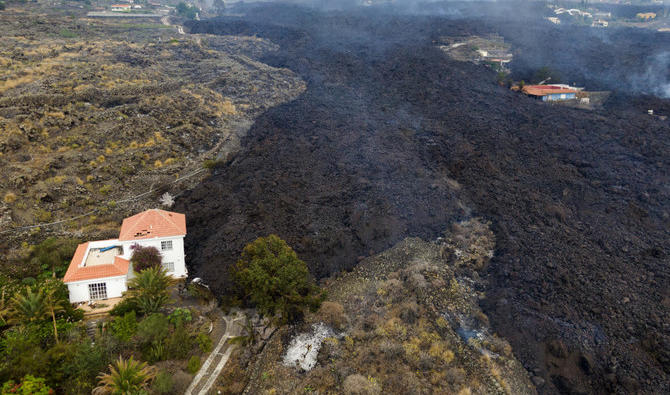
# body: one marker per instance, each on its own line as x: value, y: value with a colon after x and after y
x: 393, y: 139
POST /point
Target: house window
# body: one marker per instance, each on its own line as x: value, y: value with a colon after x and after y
x: 97, y: 291
x: 166, y: 245
x: 168, y: 266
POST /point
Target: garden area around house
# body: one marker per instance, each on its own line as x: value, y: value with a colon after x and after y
x: 156, y: 337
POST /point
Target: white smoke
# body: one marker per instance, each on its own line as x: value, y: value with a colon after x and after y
x: 656, y: 77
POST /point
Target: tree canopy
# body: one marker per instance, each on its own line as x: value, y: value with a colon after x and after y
x: 273, y: 278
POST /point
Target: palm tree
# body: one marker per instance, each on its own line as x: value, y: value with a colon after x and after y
x: 30, y: 307
x: 150, y: 289
x: 35, y: 306
x: 125, y: 377
x: 53, y: 305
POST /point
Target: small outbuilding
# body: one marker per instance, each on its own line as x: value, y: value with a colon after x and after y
x: 120, y: 7
x: 101, y: 269
x: 550, y: 92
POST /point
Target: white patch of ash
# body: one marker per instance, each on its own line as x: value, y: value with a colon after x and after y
x: 304, y: 348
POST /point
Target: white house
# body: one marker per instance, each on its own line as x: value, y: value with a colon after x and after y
x: 100, y: 269
x: 120, y: 7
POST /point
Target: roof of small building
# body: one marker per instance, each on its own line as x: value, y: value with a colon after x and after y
x: 121, y: 5
x: 543, y: 90
x: 153, y: 223
x: 75, y: 272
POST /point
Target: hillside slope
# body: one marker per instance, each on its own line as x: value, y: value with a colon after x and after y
x: 392, y: 139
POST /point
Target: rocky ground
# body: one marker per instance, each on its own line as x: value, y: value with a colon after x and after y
x: 406, y: 320
x: 96, y: 111
x: 393, y: 139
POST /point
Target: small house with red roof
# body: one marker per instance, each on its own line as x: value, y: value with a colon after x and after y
x: 101, y: 269
x: 550, y: 92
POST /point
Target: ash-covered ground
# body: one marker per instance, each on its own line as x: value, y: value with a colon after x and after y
x: 394, y: 139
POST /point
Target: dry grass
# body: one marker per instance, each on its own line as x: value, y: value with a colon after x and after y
x: 394, y: 335
x: 9, y: 198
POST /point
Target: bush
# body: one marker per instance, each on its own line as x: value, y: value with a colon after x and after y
x: 180, y: 316
x: 193, y: 364
x: 145, y: 258
x: 28, y: 386
x: 124, y: 328
x: 157, y: 352
x: 125, y: 306
x: 89, y: 360
x: 179, y: 344
x: 204, y: 342
x: 153, y: 328
x: 52, y: 256
x: 163, y: 383
x: 20, y: 352
x: 200, y: 291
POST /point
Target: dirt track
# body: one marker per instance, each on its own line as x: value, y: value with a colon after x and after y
x: 392, y: 139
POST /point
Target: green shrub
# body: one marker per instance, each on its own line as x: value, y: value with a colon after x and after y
x: 28, y: 386
x: 157, y: 352
x: 21, y: 352
x: 180, y: 344
x: 204, y: 342
x: 51, y: 257
x: 153, y: 328
x: 163, y: 383
x: 88, y: 361
x: 124, y: 327
x: 193, y: 364
x: 180, y: 316
x: 125, y: 306
x: 199, y: 291
x: 30, y: 281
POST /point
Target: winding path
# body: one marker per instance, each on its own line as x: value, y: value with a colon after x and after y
x: 210, y: 370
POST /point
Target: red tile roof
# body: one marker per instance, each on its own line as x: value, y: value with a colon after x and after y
x: 153, y: 223
x: 543, y: 90
x: 76, y: 273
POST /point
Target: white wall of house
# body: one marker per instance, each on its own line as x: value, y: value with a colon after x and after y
x: 172, y: 257
x: 79, y: 290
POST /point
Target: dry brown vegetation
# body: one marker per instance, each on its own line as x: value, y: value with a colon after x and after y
x: 107, y: 110
x: 400, y: 319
